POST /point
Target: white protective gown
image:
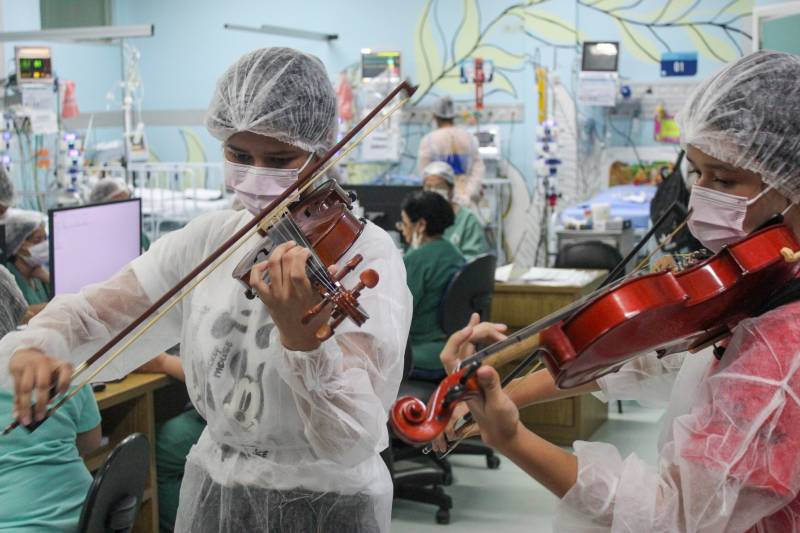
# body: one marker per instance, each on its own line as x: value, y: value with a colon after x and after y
x: 455, y: 141
x: 729, y: 445
x: 293, y: 438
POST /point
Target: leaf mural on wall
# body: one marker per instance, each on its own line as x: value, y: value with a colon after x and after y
x: 427, y: 55
x: 634, y: 41
x: 710, y: 45
x: 468, y: 32
x: 548, y: 26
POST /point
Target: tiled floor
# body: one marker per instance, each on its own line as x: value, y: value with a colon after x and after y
x: 507, y: 500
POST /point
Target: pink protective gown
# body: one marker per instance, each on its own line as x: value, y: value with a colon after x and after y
x: 729, y: 448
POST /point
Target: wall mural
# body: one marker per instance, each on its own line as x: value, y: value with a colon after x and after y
x: 645, y: 29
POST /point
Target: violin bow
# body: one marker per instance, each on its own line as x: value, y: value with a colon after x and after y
x: 262, y: 220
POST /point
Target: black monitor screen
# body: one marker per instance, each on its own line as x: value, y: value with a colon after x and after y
x: 600, y: 56
x: 381, y: 203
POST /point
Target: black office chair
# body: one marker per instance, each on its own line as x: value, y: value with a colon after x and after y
x: 115, y: 495
x: 470, y: 291
x: 590, y: 254
x: 418, y: 485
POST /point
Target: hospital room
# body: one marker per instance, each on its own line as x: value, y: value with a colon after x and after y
x: 421, y: 266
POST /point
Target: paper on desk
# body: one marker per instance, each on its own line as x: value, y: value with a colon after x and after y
x: 558, y: 277
x: 509, y: 272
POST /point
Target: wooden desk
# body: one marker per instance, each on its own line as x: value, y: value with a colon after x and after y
x: 128, y: 407
x: 520, y: 304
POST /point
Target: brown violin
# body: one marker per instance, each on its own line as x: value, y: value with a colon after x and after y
x: 321, y: 219
x: 663, y: 312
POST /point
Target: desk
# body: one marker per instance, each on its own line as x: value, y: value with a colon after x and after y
x: 128, y: 407
x: 521, y: 304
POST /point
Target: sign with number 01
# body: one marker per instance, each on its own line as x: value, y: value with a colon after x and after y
x: 678, y: 64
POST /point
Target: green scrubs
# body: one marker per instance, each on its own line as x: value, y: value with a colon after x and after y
x: 174, y: 439
x: 467, y: 234
x: 145, y: 241
x: 35, y: 291
x: 429, y: 269
x: 43, y: 481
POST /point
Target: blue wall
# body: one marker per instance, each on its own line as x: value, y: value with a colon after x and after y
x: 190, y: 49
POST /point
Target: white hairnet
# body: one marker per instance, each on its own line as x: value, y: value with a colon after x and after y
x: 748, y: 115
x: 444, y: 108
x: 441, y: 169
x: 19, y: 226
x: 6, y: 189
x: 279, y: 93
x: 105, y: 189
x: 12, y: 303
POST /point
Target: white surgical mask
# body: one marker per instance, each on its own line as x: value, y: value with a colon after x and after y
x: 39, y: 254
x: 257, y: 187
x: 444, y: 193
x: 416, y: 240
x: 717, y: 218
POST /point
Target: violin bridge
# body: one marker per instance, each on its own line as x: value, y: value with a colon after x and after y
x: 268, y: 221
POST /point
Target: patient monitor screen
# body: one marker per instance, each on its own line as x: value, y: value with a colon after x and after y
x: 91, y: 243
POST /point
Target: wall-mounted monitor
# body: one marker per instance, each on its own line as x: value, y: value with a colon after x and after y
x: 600, y: 56
x: 34, y: 64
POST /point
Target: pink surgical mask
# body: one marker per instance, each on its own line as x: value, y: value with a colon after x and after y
x: 717, y: 218
x: 257, y: 187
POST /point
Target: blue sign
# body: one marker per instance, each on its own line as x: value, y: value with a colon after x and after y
x: 678, y: 64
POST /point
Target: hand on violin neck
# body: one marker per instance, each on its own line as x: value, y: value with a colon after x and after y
x: 461, y: 344
x: 288, y: 295
x: 493, y: 411
x: 440, y: 443
x: 34, y: 374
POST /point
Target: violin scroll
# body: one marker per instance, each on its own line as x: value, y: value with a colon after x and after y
x: 417, y: 423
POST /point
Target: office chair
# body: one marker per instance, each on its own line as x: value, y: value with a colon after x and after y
x: 590, y: 254
x: 113, y: 500
x: 418, y: 486
x: 470, y: 291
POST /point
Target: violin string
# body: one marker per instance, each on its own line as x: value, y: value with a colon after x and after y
x: 263, y: 224
x: 663, y: 243
x: 290, y: 231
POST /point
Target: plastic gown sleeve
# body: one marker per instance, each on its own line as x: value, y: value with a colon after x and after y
x: 734, y: 463
x: 468, y: 186
x: 647, y: 379
x: 345, y: 388
x: 74, y: 326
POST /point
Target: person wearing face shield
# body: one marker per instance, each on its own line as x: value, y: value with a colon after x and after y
x: 28, y: 255
x: 458, y: 148
x: 431, y: 261
x: 294, y: 425
x: 729, y: 446
x: 466, y: 233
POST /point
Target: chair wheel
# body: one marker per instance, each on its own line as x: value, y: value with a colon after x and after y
x: 442, y: 516
x: 492, y: 462
x: 447, y: 479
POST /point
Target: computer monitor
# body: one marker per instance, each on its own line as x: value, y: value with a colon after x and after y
x: 381, y: 203
x: 90, y: 243
x: 600, y: 56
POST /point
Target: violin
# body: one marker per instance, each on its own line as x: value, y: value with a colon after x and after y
x: 324, y: 223
x: 663, y: 312
x: 321, y: 219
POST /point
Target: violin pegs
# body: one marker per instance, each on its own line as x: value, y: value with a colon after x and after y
x: 369, y: 278
x: 324, y: 333
x: 314, y: 311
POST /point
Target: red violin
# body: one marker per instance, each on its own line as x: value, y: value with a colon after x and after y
x: 663, y: 312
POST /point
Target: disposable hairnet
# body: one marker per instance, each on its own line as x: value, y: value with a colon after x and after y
x: 12, y: 303
x: 441, y: 169
x: 105, y: 189
x: 6, y: 189
x: 19, y: 226
x: 748, y: 115
x: 444, y: 108
x: 279, y: 93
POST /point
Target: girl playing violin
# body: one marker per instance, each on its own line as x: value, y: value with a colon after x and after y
x: 730, y: 441
x: 295, y: 426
